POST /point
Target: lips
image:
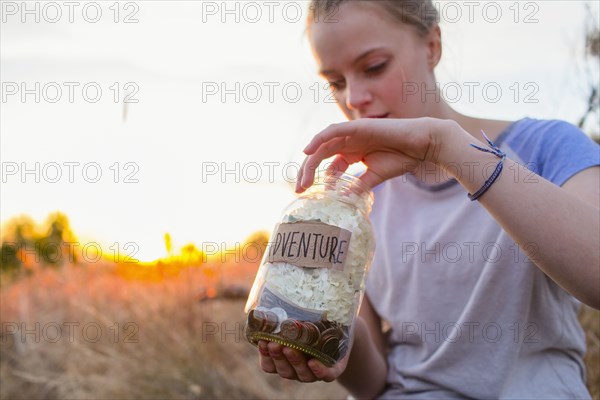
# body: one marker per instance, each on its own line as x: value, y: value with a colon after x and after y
x: 378, y: 116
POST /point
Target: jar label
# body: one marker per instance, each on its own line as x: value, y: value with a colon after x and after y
x: 309, y: 244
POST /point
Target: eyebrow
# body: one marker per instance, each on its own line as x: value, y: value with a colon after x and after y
x: 363, y: 55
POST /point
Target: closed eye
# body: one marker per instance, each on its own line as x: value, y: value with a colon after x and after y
x: 375, y: 68
x: 336, y: 85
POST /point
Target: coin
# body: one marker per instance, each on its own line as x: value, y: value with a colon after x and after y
x: 291, y: 329
x: 310, y: 334
x: 334, y: 332
x: 329, y: 345
x: 322, y: 325
x: 255, y: 320
x: 342, y: 349
x: 269, y: 322
x: 264, y: 321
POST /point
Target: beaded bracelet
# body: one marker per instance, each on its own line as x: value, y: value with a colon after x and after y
x: 498, y: 153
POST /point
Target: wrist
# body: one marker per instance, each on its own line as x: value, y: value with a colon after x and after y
x: 476, y: 166
x: 449, y: 142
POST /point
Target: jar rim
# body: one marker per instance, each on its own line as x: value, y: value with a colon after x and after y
x: 322, y: 177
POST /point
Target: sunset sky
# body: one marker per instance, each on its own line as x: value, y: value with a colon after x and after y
x: 206, y: 168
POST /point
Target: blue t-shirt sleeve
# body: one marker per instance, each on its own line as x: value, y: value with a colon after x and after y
x: 555, y: 150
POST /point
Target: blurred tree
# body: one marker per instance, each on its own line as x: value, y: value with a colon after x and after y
x: 19, y: 229
x: 260, y: 240
x: 168, y: 243
x: 18, y: 233
x: 51, y: 243
x: 10, y: 262
x: 191, y: 255
x: 590, y: 318
x: 52, y: 246
x: 592, y: 49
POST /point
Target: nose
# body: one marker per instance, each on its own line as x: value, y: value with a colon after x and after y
x: 358, y: 96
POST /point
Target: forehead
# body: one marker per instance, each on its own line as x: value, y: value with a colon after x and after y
x: 339, y: 36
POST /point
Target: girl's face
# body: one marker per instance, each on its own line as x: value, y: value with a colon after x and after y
x: 377, y: 66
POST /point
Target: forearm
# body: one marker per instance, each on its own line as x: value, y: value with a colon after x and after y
x: 558, y: 231
x: 366, y: 372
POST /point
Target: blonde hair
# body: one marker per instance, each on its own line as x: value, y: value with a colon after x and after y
x: 420, y: 14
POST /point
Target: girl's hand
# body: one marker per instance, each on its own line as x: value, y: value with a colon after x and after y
x: 388, y: 147
x: 293, y: 364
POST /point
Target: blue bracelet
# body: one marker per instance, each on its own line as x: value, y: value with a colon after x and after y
x: 497, y: 152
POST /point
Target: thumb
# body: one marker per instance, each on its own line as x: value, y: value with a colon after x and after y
x: 321, y: 371
x: 371, y: 179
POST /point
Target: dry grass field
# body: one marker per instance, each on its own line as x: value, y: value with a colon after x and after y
x: 102, y: 335
x: 590, y: 320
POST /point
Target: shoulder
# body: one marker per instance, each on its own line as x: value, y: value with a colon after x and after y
x: 531, y: 133
x: 553, y: 149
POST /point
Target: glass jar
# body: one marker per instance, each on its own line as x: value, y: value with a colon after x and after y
x: 309, y: 286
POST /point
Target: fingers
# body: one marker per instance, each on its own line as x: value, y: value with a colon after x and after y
x: 284, y: 361
x: 299, y: 188
x: 386, y: 141
x: 313, y: 161
x: 290, y: 363
x: 334, y: 140
x: 321, y: 372
x: 266, y: 362
x: 319, y: 139
x: 331, y: 132
x: 282, y: 365
x: 338, y: 165
x: 298, y: 361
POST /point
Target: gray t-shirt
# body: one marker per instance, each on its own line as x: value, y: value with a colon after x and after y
x: 470, y: 315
